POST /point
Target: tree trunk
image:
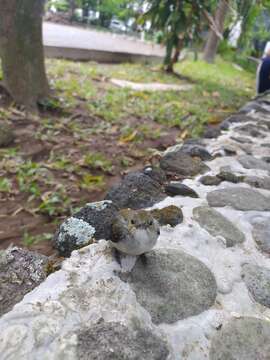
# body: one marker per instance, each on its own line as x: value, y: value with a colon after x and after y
x: 167, y: 63
x: 85, y: 10
x: 170, y: 60
x: 212, y: 42
x: 72, y: 8
x: 22, y: 52
x: 178, y: 50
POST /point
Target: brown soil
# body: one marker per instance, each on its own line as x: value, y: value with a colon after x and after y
x: 18, y: 209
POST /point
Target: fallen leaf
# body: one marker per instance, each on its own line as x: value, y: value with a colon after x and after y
x: 214, y: 121
x: 184, y: 134
x: 128, y: 138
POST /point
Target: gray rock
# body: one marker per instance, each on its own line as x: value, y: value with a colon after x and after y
x: 242, y: 140
x: 114, y: 341
x: 172, y: 285
x: 210, y: 180
x: 155, y: 173
x: 267, y: 145
x: 239, y: 198
x: 93, y: 221
x: 250, y: 162
x: 229, y: 150
x: 20, y: 272
x: 265, y: 123
x: 251, y: 130
x: 252, y: 105
x: 217, y: 225
x: 7, y: 135
x: 136, y: 191
x: 212, y: 132
x: 237, y: 118
x: 226, y: 175
x: 200, y: 142
x: 170, y: 215
x: 266, y: 159
x: 246, y: 338
x: 179, y: 163
x: 261, y: 233
x: 256, y: 181
x: 196, y: 150
x: 257, y: 280
x: 177, y: 188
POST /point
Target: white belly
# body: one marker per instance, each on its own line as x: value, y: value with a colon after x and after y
x: 140, y: 242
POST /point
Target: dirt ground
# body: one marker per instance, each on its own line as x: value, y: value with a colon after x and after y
x: 91, y: 133
x: 60, y: 157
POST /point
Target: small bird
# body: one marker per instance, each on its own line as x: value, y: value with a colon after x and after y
x: 134, y: 232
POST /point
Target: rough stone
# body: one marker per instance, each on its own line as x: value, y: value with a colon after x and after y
x: 239, y: 198
x: 169, y: 215
x: 217, y: 225
x: 115, y: 341
x: 261, y: 233
x: 7, y: 135
x: 264, y: 123
x: 172, y: 285
x: 246, y: 338
x: 20, y: 272
x: 229, y: 150
x: 229, y: 176
x: 179, y: 163
x: 196, y: 150
x: 242, y: 140
x: 251, y: 130
x: 212, y: 132
x: 237, y: 118
x: 258, y: 182
x: 210, y: 180
x: 93, y: 221
x: 250, y: 162
x: 194, y: 142
x: 266, y: 159
x: 177, y: 188
x: 136, y: 191
x: 251, y: 106
x: 257, y: 280
x: 265, y: 145
x: 155, y: 173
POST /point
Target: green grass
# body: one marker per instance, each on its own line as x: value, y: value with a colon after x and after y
x: 218, y: 89
x: 105, y: 131
x: 29, y: 240
x: 126, y: 119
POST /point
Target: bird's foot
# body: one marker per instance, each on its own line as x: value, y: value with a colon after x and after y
x: 117, y: 257
x: 143, y: 258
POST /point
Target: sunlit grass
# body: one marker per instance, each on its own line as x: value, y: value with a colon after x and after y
x: 218, y: 89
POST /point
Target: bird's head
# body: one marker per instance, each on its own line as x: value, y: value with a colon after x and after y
x: 139, y: 219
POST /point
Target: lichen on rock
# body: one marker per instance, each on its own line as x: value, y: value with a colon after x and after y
x: 93, y: 221
x: 20, y: 272
x: 73, y: 234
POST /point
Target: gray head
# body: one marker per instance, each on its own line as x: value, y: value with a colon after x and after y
x: 134, y: 232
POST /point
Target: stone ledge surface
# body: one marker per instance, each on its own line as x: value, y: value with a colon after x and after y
x: 92, y: 295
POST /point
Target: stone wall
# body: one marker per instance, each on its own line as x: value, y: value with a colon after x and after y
x: 204, y: 291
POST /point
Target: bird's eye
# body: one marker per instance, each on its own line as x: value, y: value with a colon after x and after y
x: 150, y: 222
